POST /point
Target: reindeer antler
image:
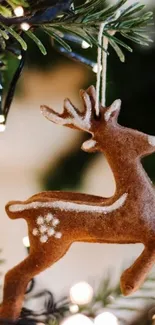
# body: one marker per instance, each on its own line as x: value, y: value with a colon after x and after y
x: 71, y: 116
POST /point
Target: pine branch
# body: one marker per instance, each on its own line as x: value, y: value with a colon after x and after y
x: 64, y: 18
x: 108, y: 297
x: 132, y: 23
x: 83, y: 22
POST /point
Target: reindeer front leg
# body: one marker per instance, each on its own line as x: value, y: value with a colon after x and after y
x: 134, y: 276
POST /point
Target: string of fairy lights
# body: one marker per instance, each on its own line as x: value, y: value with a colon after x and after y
x: 19, y: 12
x: 82, y: 294
x: 106, y: 318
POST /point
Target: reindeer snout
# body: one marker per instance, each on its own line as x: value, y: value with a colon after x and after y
x: 89, y: 145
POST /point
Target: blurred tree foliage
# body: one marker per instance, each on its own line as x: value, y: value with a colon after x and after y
x: 132, y: 81
x: 136, y: 309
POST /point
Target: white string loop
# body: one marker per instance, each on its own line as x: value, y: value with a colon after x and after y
x: 101, y: 66
x: 104, y: 71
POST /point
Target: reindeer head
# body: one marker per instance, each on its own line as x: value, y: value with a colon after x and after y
x: 86, y: 120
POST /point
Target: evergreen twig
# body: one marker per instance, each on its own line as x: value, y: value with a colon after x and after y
x: 82, y: 21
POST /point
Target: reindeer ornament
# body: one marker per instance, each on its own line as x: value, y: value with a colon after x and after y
x: 58, y: 219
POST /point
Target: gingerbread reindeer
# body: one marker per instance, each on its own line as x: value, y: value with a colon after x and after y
x: 57, y: 219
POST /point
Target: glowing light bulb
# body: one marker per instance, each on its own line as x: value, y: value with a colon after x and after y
x: 25, y: 26
x: 78, y: 319
x: 106, y: 318
x: 26, y: 241
x: 81, y: 293
x: 85, y: 45
x: 74, y: 309
x: 95, y: 68
x: 2, y: 127
x: 19, y: 11
x: 2, y: 118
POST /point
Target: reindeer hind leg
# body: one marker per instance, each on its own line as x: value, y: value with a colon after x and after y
x: 134, y: 276
x: 17, y: 279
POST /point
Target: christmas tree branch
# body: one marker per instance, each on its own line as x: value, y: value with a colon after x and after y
x: 62, y: 20
x: 82, y: 21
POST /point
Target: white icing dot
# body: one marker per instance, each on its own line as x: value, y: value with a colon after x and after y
x: 43, y: 239
x: 58, y: 235
x: 43, y: 229
x: 40, y: 220
x: 51, y: 232
x: 48, y: 217
x: 35, y: 232
x: 151, y: 140
x: 55, y: 222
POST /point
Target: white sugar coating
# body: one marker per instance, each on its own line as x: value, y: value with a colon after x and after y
x: 151, y: 140
x: 70, y: 108
x: 43, y: 239
x: 54, y: 117
x: 114, y: 107
x: 40, y: 220
x: 82, y: 121
x: 77, y: 120
x: 88, y: 110
x: 58, y: 235
x: 43, y: 229
x: 35, y: 232
x: 51, y: 232
x: 48, y: 217
x: 71, y: 206
x: 89, y: 144
x: 55, y: 222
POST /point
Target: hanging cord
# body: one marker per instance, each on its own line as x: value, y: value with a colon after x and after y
x: 99, y: 65
x: 104, y: 71
x: 102, y: 64
x: 102, y: 67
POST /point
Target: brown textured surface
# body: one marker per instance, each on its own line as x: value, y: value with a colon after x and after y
x: 133, y: 222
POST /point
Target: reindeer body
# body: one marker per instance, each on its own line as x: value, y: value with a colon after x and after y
x: 57, y: 219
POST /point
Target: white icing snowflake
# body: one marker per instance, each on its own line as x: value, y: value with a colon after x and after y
x: 46, y: 227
